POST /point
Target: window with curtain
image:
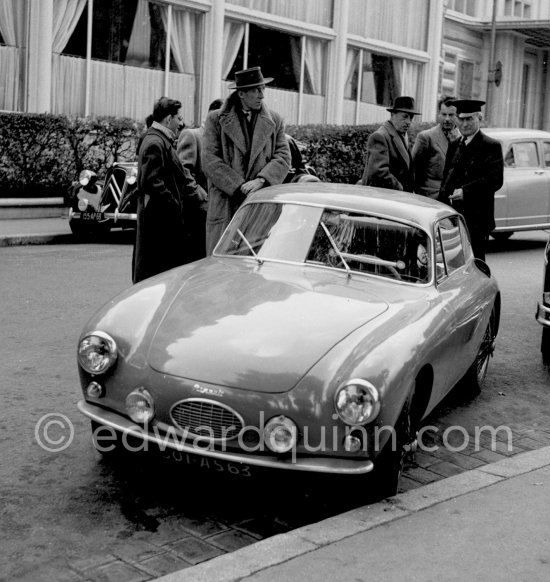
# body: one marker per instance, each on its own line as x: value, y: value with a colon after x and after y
x: 381, y: 80
x: 272, y: 50
x: 280, y: 56
x: 133, y: 32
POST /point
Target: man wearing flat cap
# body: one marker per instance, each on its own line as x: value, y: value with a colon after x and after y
x: 389, y: 159
x: 474, y: 171
x: 245, y: 149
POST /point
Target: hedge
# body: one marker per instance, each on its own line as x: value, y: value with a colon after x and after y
x: 41, y: 155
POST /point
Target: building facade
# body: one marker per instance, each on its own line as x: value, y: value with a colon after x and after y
x: 333, y: 61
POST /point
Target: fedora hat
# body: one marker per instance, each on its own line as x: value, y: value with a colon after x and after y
x: 404, y: 103
x: 249, y: 78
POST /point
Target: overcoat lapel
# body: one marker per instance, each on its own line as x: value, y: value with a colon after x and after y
x: 441, y: 140
x: 232, y: 128
x: 398, y: 143
x: 262, y: 131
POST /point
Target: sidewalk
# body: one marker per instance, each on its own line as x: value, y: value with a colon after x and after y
x: 28, y: 231
x: 490, y: 523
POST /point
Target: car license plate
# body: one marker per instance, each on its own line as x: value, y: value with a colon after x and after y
x: 211, y: 464
x: 97, y: 216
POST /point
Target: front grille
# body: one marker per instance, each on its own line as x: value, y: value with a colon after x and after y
x: 206, y: 418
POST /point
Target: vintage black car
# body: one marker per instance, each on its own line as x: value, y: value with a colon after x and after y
x: 95, y: 206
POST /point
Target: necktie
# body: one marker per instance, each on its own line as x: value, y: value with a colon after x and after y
x: 247, y: 114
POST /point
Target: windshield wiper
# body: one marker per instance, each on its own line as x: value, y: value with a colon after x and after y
x: 245, y: 240
x: 335, y: 247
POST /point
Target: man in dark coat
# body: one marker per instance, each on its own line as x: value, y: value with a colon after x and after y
x: 189, y: 148
x: 430, y: 149
x: 389, y: 159
x: 474, y: 171
x: 168, y: 194
x: 245, y: 149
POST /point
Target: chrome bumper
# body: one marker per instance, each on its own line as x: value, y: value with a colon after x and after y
x: 170, y: 441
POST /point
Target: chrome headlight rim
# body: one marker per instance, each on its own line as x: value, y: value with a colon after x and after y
x: 87, y: 176
x: 369, y: 389
x: 140, y: 415
x: 110, y: 355
x: 276, y: 423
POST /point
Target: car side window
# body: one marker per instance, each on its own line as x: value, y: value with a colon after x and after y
x: 450, y: 246
x: 524, y: 155
x: 546, y: 153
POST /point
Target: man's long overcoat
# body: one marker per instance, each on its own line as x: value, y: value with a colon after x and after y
x: 389, y: 162
x: 479, y: 171
x: 227, y: 164
x: 167, y: 196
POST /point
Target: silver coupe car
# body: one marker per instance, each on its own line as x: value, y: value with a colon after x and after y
x: 330, y: 320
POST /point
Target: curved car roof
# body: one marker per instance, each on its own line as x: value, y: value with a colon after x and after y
x: 401, y: 206
x: 509, y: 133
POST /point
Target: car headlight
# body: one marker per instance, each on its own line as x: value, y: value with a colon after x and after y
x: 357, y: 402
x: 97, y: 352
x: 87, y: 176
x: 140, y: 406
x: 132, y: 176
x: 280, y: 433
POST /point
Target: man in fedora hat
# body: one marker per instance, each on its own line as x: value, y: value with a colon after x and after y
x: 389, y: 160
x: 474, y: 171
x: 245, y: 149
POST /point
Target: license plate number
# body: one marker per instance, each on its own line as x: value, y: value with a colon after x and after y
x: 210, y: 464
x: 97, y: 216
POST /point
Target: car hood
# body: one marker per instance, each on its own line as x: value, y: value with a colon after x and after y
x: 257, y: 329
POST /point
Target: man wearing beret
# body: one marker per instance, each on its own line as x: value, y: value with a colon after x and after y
x: 474, y: 171
x: 389, y: 160
x: 245, y: 149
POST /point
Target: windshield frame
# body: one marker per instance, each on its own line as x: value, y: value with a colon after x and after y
x: 340, y: 270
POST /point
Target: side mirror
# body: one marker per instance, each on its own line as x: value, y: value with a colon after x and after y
x: 483, y: 267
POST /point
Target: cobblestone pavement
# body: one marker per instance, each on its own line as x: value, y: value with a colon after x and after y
x: 161, y: 545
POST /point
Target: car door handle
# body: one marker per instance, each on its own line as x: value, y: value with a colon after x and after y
x: 539, y: 172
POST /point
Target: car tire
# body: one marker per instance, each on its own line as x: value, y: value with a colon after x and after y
x: 389, y: 465
x: 545, y: 346
x: 501, y: 235
x: 476, y: 374
x: 79, y: 229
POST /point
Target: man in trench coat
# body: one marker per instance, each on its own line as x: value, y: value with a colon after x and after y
x: 168, y: 196
x: 245, y: 149
x: 389, y: 160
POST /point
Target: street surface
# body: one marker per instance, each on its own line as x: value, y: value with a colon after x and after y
x: 69, y: 515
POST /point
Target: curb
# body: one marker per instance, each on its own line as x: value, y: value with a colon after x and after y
x: 35, y: 239
x: 284, y: 547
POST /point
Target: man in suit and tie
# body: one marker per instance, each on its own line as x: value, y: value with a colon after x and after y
x: 474, y: 171
x: 389, y: 160
x: 430, y: 148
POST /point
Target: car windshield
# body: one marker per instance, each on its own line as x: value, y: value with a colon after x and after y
x: 351, y: 241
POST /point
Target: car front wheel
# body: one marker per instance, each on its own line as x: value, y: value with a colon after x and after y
x: 476, y: 374
x: 391, y: 461
x: 501, y: 235
x: 545, y: 345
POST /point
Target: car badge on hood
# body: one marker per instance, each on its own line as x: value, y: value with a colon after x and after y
x: 210, y: 391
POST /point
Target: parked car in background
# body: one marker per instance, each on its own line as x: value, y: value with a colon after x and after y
x: 328, y: 322
x: 543, y: 307
x: 96, y: 206
x: 523, y: 202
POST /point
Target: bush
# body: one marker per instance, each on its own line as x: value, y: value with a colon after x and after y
x: 41, y: 155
